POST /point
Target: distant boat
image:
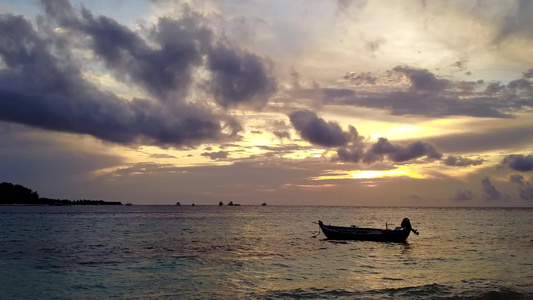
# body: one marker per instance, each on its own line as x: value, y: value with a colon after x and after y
x: 233, y: 204
x: 193, y: 204
x: 264, y: 204
x: 399, y: 234
x: 178, y: 203
x: 220, y: 203
x: 129, y: 204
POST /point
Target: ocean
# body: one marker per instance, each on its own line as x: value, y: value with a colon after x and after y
x: 261, y: 252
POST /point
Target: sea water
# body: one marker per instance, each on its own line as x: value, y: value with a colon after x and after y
x: 261, y: 252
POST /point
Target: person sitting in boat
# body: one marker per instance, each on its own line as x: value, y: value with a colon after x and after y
x: 406, y: 224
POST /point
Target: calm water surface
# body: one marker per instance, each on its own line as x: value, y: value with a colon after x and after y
x: 253, y: 252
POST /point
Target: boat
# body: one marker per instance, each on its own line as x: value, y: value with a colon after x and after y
x: 399, y: 234
x: 129, y: 204
x: 264, y: 204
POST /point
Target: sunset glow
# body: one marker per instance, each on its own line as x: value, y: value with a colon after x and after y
x: 152, y: 101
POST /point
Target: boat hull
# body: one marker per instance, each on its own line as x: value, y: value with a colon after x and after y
x: 364, y: 234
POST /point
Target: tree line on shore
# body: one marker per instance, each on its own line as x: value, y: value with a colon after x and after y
x: 12, y: 194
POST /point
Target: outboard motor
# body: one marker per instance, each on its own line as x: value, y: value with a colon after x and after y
x: 406, y: 224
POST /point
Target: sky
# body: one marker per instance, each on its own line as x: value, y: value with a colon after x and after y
x: 322, y: 102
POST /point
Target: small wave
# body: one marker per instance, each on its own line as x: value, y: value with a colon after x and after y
x: 431, y: 291
x: 392, y: 279
x: 416, y: 291
x: 98, y: 263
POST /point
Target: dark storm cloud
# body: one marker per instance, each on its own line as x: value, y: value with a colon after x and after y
x: 347, y: 154
x: 459, y: 161
x: 519, y: 162
x: 41, y: 90
x: 162, y: 71
x: 43, y: 86
x: 317, y: 130
x: 463, y: 195
x: 351, y: 145
x: 490, y: 191
x: 239, y: 77
x: 399, y: 153
x: 108, y: 118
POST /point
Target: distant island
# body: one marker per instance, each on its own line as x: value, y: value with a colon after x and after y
x: 15, y: 194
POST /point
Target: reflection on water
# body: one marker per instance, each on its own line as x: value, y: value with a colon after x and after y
x: 269, y: 252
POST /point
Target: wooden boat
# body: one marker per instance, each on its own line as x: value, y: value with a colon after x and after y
x: 399, y: 234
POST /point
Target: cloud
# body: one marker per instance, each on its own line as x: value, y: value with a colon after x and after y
x: 318, y: 131
x: 43, y: 86
x: 490, y: 191
x: 514, y: 21
x: 460, y: 65
x: 351, y: 145
x: 239, y: 77
x: 282, y: 134
x: 517, y: 178
x: 528, y: 74
x: 423, y: 80
x: 216, y: 155
x: 525, y: 189
x: 165, y: 70
x: 526, y: 192
x: 41, y: 90
x: 459, y: 161
x: 486, y: 140
x: 419, y: 92
x: 519, y: 162
x: 493, y: 88
x: 161, y: 155
x: 360, y: 79
x: 519, y: 85
x: 463, y: 195
x: 373, y: 45
x: 399, y: 153
x: 344, y: 5
x: 350, y: 154
x: 427, y: 104
x: 39, y: 159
